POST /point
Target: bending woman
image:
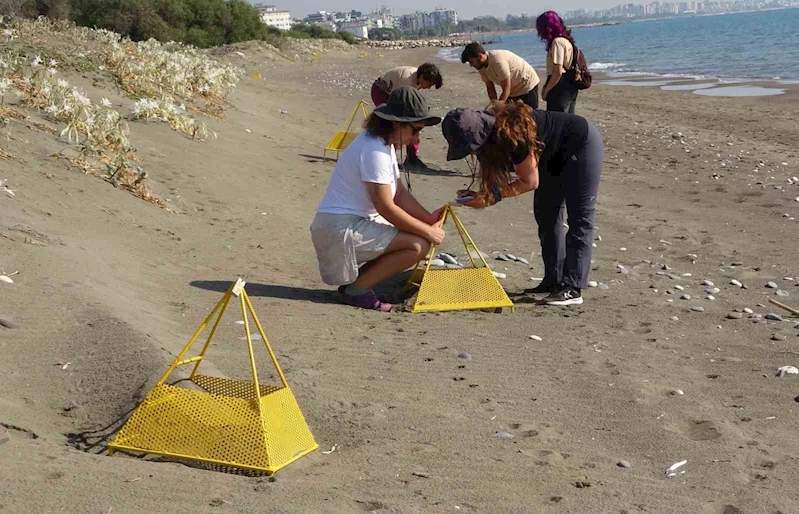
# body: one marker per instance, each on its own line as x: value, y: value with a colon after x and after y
x: 556, y: 154
x: 367, y: 218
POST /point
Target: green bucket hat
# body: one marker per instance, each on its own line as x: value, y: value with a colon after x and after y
x: 406, y: 105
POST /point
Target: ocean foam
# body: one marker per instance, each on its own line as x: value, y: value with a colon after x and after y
x: 602, y: 66
x: 739, y: 91
x: 690, y: 87
x: 642, y: 83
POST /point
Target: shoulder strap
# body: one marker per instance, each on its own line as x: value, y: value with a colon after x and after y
x: 575, y: 56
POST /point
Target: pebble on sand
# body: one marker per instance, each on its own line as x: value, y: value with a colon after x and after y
x: 677, y: 392
x: 502, y: 257
x: 522, y: 260
x: 708, y: 283
x: 503, y: 435
x: 593, y: 283
x: 536, y: 338
x: 780, y: 292
x: 499, y: 275
x: 771, y: 285
x: 8, y: 324
x: 778, y: 337
x: 773, y: 317
x: 449, y: 259
x: 711, y: 297
x: 465, y: 356
x: 624, y: 464
x: 6, y: 279
x: 735, y: 315
x: 685, y: 297
x: 748, y: 310
x: 787, y: 370
x: 438, y: 262
x: 675, y: 318
x: 697, y: 309
x: 679, y: 288
x: 604, y: 287
x: 736, y: 283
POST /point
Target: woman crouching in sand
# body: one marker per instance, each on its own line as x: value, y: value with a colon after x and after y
x: 556, y: 154
x: 367, y: 216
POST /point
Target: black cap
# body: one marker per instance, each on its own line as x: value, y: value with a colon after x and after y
x: 466, y: 130
x: 406, y: 105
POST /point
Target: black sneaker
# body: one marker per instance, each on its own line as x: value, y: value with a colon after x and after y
x: 543, y: 288
x: 564, y: 296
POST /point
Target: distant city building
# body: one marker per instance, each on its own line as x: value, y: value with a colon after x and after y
x: 686, y: 7
x: 383, y: 18
x: 316, y: 18
x: 327, y: 25
x: 275, y: 17
x: 358, y: 29
x: 421, y: 21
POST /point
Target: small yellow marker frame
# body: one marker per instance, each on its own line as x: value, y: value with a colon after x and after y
x: 233, y: 423
x: 343, y: 138
x: 457, y: 289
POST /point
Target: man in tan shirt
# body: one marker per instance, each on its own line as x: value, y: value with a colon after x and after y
x: 502, y: 68
x: 425, y: 76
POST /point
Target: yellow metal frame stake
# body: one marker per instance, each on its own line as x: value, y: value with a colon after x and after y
x: 457, y: 289
x: 229, y: 422
x: 342, y: 139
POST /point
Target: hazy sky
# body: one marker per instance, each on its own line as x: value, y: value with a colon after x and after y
x: 466, y: 8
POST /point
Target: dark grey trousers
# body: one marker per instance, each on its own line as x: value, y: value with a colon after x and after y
x: 567, y: 255
x: 530, y: 98
x: 562, y: 97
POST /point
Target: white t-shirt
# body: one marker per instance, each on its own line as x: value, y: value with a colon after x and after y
x: 366, y: 159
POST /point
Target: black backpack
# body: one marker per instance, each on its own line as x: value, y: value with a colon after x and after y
x: 579, y: 70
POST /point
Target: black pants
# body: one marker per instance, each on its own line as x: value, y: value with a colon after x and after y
x: 567, y: 255
x: 562, y: 97
x: 530, y: 98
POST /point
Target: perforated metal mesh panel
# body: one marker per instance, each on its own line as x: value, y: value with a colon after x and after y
x: 460, y: 289
x: 341, y: 141
x: 348, y: 130
x: 227, y: 424
x: 233, y: 388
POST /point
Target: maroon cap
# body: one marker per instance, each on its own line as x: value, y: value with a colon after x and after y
x: 466, y: 130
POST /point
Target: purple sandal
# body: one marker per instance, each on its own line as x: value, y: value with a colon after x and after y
x: 367, y: 300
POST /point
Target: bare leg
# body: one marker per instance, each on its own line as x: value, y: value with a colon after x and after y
x: 402, y: 253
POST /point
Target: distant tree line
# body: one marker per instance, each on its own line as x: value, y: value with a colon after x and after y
x: 203, y: 23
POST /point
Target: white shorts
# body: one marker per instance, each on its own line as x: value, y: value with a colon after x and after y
x: 344, y: 241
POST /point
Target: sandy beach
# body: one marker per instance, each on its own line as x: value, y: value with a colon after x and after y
x: 110, y: 288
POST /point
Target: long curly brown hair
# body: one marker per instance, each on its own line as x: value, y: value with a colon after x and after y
x: 514, y: 127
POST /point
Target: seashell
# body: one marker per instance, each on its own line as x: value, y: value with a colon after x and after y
x: 499, y: 275
x: 672, y: 470
x: 736, y: 283
x: 536, y: 338
x: 522, y: 260
x: 438, y: 262
x: 6, y: 279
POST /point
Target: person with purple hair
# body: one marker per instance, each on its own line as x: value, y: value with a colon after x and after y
x: 560, y: 92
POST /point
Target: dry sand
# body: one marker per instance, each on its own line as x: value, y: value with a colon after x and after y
x: 114, y: 286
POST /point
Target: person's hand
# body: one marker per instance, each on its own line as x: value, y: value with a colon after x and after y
x: 437, y: 215
x: 436, y: 234
x: 544, y: 94
x: 463, y: 193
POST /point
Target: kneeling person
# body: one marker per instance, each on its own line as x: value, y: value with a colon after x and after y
x: 367, y: 217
